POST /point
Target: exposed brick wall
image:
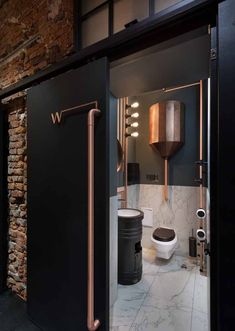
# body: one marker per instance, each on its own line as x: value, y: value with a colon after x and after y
x: 17, y: 196
x: 33, y: 35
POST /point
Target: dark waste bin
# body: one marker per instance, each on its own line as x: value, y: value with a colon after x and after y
x: 129, y: 246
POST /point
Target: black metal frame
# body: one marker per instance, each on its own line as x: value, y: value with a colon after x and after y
x: 151, y: 7
x: 224, y: 204
x: 79, y: 18
x: 213, y: 184
x: 171, y: 22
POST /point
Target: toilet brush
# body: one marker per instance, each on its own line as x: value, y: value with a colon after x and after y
x: 192, y: 246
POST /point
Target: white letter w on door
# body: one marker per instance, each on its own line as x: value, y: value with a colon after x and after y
x: 56, y: 117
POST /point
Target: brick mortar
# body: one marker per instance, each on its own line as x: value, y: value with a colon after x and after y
x: 17, y: 197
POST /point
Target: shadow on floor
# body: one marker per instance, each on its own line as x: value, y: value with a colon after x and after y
x: 13, y: 315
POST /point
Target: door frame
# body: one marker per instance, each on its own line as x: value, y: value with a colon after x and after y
x: 222, y: 169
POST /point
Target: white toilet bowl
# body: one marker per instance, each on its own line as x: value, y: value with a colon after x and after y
x: 165, y: 242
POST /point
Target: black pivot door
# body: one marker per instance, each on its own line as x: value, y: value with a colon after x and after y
x: 58, y: 199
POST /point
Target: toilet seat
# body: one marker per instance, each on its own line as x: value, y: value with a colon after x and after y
x: 165, y: 241
x: 163, y: 234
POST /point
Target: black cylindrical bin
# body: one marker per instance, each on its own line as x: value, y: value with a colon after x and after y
x: 129, y: 246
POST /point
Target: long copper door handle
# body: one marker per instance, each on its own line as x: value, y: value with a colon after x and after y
x: 92, y: 324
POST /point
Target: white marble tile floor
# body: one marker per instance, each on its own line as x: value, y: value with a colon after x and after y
x: 168, y: 298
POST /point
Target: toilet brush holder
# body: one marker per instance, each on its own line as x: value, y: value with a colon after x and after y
x: 192, y: 246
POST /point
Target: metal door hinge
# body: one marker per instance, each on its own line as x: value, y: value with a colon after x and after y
x: 213, y: 53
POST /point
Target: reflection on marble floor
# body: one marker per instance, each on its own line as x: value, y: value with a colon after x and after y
x: 168, y: 298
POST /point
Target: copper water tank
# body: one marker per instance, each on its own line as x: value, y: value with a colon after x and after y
x: 166, y: 126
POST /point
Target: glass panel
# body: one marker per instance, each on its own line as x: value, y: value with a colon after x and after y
x: 95, y: 28
x: 163, y: 4
x: 88, y: 5
x: 126, y: 11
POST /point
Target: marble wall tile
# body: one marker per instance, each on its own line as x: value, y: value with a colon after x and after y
x: 132, y: 193
x: 179, y: 212
x: 199, y: 321
x: 113, y: 262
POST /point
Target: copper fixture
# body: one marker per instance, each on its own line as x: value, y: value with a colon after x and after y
x: 58, y: 116
x: 92, y: 324
x: 201, y: 142
x: 125, y: 155
x: 201, y: 222
x: 170, y: 89
x: 122, y: 108
x: 166, y: 124
x: 119, y: 156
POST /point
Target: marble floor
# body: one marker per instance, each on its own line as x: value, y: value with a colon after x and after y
x: 172, y: 296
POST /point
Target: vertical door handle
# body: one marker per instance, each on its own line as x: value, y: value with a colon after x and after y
x: 92, y: 324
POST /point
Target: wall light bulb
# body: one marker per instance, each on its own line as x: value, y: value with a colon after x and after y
x: 135, y: 134
x: 135, y: 115
x: 135, y: 104
x: 135, y: 124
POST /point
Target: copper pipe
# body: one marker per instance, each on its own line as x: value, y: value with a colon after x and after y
x: 92, y: 324
x: 57, y: 116
x: 118, y: 121
x: 124, y: 204
x: 125, y: 171
x: 201, y: 142
x: 179, y: 87
x: 200, y: 172
x: 166, y: 180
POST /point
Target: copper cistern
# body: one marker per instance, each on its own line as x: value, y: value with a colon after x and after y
x: 166, y: 128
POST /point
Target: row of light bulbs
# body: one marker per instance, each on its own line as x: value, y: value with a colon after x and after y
x: 134, y: 115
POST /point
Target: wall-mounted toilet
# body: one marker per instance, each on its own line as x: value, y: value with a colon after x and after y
x: 165, y: 242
